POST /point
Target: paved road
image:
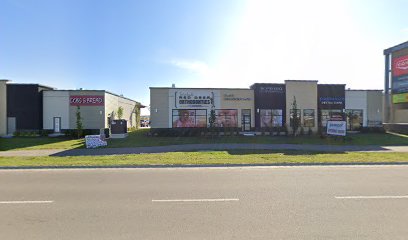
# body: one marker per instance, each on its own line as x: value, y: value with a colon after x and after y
x: 195, y: 147
x: 365, y: 202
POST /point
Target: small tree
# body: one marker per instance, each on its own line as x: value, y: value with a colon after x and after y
x: 211, y: 120
x: 120, y: 112
x: 295, y: 123
x: 79, y: 126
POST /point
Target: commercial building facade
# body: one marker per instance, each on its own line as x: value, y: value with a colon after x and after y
x: 263, y: 106
x: 96, y: 107
x: 25, y: 107
x: 191, y: 108
x: 364, y: 108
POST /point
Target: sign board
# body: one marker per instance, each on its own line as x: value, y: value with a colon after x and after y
x: 194, y: 99
x: 400, y: 75
x: 337, y: 128
x: 86, y: 100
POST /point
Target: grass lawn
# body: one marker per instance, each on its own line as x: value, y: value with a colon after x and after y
x: 139, y: 139
x: 204, y: 158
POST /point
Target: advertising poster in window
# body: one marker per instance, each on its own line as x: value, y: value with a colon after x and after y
x: 270, y: 118
x: 308, y: 117
x: 186, y: 118
x: 226, y: 117
x: 400, y: 77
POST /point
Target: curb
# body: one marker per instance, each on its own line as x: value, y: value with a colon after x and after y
x: 208, y: 165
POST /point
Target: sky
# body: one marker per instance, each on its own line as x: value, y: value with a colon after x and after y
x: 127, y: 46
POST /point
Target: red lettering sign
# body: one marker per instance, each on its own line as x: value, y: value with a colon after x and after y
x: 86, y: 100
x: 400, y: 66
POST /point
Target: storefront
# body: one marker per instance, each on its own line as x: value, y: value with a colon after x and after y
x: 305, y: 94
x: 191, y: 108
x: 270, y: 105
x: 96, y: 107
x: 331, y: 103
x: 364, y: 108
x: 3, y: 107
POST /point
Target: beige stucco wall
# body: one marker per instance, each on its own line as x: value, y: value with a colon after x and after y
x: 306, y: 98
x: 159, y: 108
x: 112, y: 104
x: 92, y: 116
x: 238, y: 99
x: 374, y: 107
x: 3, y: 107
x: 55, y: 104
x: 400, y: 116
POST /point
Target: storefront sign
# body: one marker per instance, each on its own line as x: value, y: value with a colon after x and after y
x: 232, y: 97
x: 193, y: 99
x: 86, y: 100
x: 337, y: 128
x: 331, y: 100
x: 272, y: 89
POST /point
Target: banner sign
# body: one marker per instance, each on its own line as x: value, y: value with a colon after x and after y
x: 337, y: 128
x: 86, y: 100
x: 400, y: 74
x: 400, y: 98
x: 400, y: 66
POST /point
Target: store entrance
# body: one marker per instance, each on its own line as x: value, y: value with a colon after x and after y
x: 246, y: 120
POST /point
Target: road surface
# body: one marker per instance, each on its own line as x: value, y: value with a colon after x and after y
x: 329, y: 202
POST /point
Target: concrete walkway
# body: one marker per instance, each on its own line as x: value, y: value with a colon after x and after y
x: 203, y: 147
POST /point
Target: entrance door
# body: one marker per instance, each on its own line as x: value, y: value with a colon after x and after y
x: 246, y: 120
x: 57, y: 124
x: 11, y: 125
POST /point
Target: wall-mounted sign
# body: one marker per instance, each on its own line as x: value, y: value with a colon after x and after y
x: 232, y: 97
x: 331, y: 100
x: 271, y: 89
x: 193, y: 99
x: 86, y: 100
x: 337, y: 128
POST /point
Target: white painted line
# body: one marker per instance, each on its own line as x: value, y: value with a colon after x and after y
x: 24, y: 202
x: 198, y: 200
x: 372, y: 197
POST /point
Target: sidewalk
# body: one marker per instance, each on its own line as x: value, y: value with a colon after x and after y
x: 202, y: 147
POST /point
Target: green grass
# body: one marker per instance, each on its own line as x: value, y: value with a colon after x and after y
x: 139, y: 139
x: 205, y: 158
x: 36, y: 143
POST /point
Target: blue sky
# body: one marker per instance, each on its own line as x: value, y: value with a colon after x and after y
x: 129, y: 45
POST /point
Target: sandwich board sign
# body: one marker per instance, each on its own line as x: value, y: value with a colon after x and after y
x: 336, y: 128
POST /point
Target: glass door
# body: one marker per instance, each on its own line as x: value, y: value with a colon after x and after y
x: 246, y: 120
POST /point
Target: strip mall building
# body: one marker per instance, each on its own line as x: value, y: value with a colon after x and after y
x: 264, y: 105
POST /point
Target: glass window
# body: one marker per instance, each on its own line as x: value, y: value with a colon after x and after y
x: 333, y: 114
x: 189, y: 118
x: 308, y: 117
x: 226, y: 117
x: 270, y: 118
x: 354, y: 119
x: 295, y: 114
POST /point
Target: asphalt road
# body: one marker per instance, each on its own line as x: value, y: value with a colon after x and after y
x: 338, y: 202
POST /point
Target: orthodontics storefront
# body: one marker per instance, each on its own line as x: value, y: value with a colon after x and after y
x: 191, y: 108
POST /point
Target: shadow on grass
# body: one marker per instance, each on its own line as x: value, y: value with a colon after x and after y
x: 17, y: 143
x: 284, y: 152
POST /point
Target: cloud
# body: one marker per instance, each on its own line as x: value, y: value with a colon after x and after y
x: 195, y: 66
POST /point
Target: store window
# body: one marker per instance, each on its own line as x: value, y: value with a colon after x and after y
x: 354, y: 119
x: 295, y: 114
x: 330, y: 114
x: 270, y: 118
x: 189, y: 118
x: 308, y: 117
x: 226, y: 118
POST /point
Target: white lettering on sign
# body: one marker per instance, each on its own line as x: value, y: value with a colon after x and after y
x: 337, y: 128
x: 86, y: 100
